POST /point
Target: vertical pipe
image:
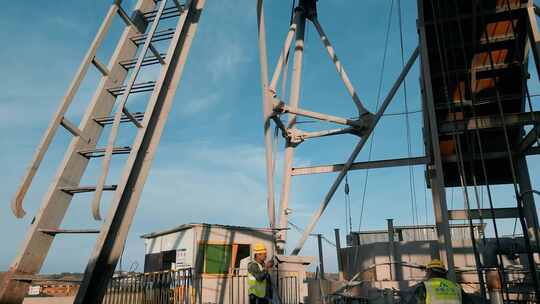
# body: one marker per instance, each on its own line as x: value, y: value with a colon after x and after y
x: 391, y: 249
x: 529, y: 205
x: 300, y: 21
x: 338, y: 253
x: 267, y: 111
x: 321, y: 259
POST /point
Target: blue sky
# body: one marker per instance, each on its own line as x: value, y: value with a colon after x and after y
x: 210, y: 164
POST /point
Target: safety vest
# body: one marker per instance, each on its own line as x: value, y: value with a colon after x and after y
x: 442, y: 291
x: 257, y: 288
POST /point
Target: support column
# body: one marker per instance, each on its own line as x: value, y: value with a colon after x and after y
x: 267, y: 111
x: 534, y: 35
x: 435, y: 170
x: 392, y: 250
x: 529, y: 205
x: 289, y: 149
x: 338, y: 252
x: 321, y: 259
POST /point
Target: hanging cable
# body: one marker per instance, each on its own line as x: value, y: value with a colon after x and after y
x: 523, y: 223
x: 379, y: 91
x: 301, y: 231
x: 443, y: 59
x: 414, y: 210
x: 346, y: 190
x: 478, y: 136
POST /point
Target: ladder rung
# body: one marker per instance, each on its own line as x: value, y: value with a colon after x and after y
x: 500, y: 213
x: 168, y: 12
x: 137, y: 88
x: 107, y: 120
x: 83, y: 189
x: 102, y: 68
x: 100, y: 152
x: 73, y: 129
x: 68, y: 231
x: 158, y: 36
x: 148, y: 60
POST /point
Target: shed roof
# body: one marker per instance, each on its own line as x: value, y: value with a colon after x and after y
x: 192, y: 225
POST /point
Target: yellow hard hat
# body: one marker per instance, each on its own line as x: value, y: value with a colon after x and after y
x: 437, y: 265
x: 259, y: 248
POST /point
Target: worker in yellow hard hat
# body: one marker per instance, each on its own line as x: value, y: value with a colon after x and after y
x: 259, y: 277
x: 436, y: 288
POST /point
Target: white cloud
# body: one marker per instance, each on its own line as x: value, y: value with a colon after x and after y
x: 198, y: 104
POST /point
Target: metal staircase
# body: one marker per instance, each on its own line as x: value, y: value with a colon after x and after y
x: 136, y: 48
x: 475, y: 71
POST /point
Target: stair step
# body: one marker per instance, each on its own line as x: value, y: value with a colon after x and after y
x: 148, y: 60
x: 158, y: 36
x: 68, y: 231
x: 137, y: 88
x: 168, y: 12
x: 107, y: 120
x: 100, y: 152
x: 84, y: 189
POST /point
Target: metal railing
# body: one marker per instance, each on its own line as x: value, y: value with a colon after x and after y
x: 171, y: 287
x: 287, y: 287
x: 180, y: 287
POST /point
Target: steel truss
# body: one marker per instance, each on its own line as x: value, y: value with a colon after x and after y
x: 274, y: 106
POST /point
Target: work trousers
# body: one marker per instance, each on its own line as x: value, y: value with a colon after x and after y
x: 255, y: 300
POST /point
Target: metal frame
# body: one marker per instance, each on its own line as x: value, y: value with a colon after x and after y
x: 150, y: 126
x: 363, y: 126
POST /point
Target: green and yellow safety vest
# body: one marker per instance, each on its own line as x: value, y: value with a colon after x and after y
x: 257, y: 288
x: 442, y: 291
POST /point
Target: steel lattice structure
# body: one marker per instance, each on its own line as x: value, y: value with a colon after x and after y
x: 136, y: 49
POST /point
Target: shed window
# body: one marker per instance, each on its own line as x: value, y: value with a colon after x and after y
x: 221, y: 259
x: 217, y: 259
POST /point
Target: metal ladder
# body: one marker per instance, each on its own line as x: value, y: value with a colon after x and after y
x: 135, y: 49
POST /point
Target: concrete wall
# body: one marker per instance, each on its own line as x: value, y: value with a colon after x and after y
x: 374, y: 261
x: 49, y: 300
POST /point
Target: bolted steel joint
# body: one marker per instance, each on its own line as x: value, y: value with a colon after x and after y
x: 295, y: 137
x: 309, y: 7
x: 363, y: 124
